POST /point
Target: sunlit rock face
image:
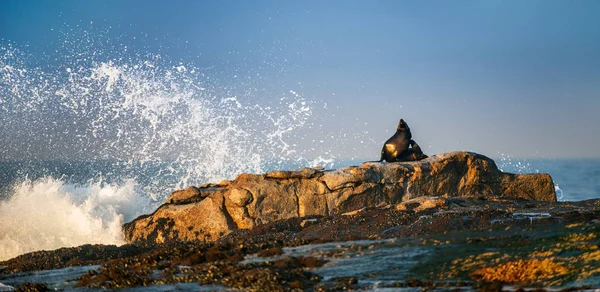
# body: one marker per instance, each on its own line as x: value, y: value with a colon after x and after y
x: 210, y: 211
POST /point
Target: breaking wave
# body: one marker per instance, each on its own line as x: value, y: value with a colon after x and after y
x: 49, y: 213
x: 160, y: 124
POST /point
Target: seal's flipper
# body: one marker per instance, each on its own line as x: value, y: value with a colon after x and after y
x: 417, y: 150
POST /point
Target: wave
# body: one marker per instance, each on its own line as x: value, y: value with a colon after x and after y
x: 49, y: 213
x: 169, y: 124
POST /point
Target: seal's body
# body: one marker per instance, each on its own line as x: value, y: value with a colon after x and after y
x: 397, y: 149
x: 395, y: 146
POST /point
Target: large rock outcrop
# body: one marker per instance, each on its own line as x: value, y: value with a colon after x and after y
x: 213, y: 210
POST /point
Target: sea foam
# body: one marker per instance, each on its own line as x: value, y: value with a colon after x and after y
x: 169, y: 124
x: 49, y: 213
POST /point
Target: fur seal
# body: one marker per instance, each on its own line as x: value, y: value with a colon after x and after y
x: 396, y: 148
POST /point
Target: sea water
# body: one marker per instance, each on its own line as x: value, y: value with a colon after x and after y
x: 47, y: 205
x: 94, y: 134
x: 97, y: 136
x: 575, y: 179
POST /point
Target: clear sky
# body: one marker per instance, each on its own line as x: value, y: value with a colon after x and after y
x: 515, y: 77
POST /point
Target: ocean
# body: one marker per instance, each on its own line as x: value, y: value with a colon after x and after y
x: 93, y: 137
x: 52, y: 204
x: 574, y: 179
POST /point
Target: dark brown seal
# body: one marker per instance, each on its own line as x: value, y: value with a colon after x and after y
x: 401, y: 147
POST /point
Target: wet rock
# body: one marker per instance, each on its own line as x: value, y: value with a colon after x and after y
x: 235, y: 258
x: 193, y: 259
x: 525, y: 271
x: 287, y: 263
x: 32, y: 287
x: 64, y: 257
x: 311, y: 262
x: 489, y: 287
x: 339, y: 284
x: 215, y: 254
x: 270, y: 252
x: 469, y: 242
x: 211, y: 211
x: 296, y: 285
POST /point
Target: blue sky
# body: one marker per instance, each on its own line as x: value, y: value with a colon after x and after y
x: 515, y: 77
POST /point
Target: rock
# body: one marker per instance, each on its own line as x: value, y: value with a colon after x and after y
x: 460, y: 243
x: 239, y: 197
x: 204, y: 220
x: 311, y: 262
x: 32, y: 287
x: 270, y: 252
x: 351, y: 213
x: 185, y: 196
x: 302, y: 173
x: 308, y: 222
x: 521, y: 271
x: 210, y: 211
x: 422, y: 203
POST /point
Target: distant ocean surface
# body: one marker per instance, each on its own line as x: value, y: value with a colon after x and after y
x: 575, y: 179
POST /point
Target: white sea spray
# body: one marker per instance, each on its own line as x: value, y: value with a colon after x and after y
x: 49, y: 213
x: 169, y: 124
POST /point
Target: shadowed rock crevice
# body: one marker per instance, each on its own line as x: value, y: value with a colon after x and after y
x: 211, y: 210
x: 295, y: 192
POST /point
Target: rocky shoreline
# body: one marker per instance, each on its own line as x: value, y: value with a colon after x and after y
x: 450, y: 221
x: 210, y: 211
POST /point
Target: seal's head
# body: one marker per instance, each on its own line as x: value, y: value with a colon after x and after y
x: 402, y: 126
